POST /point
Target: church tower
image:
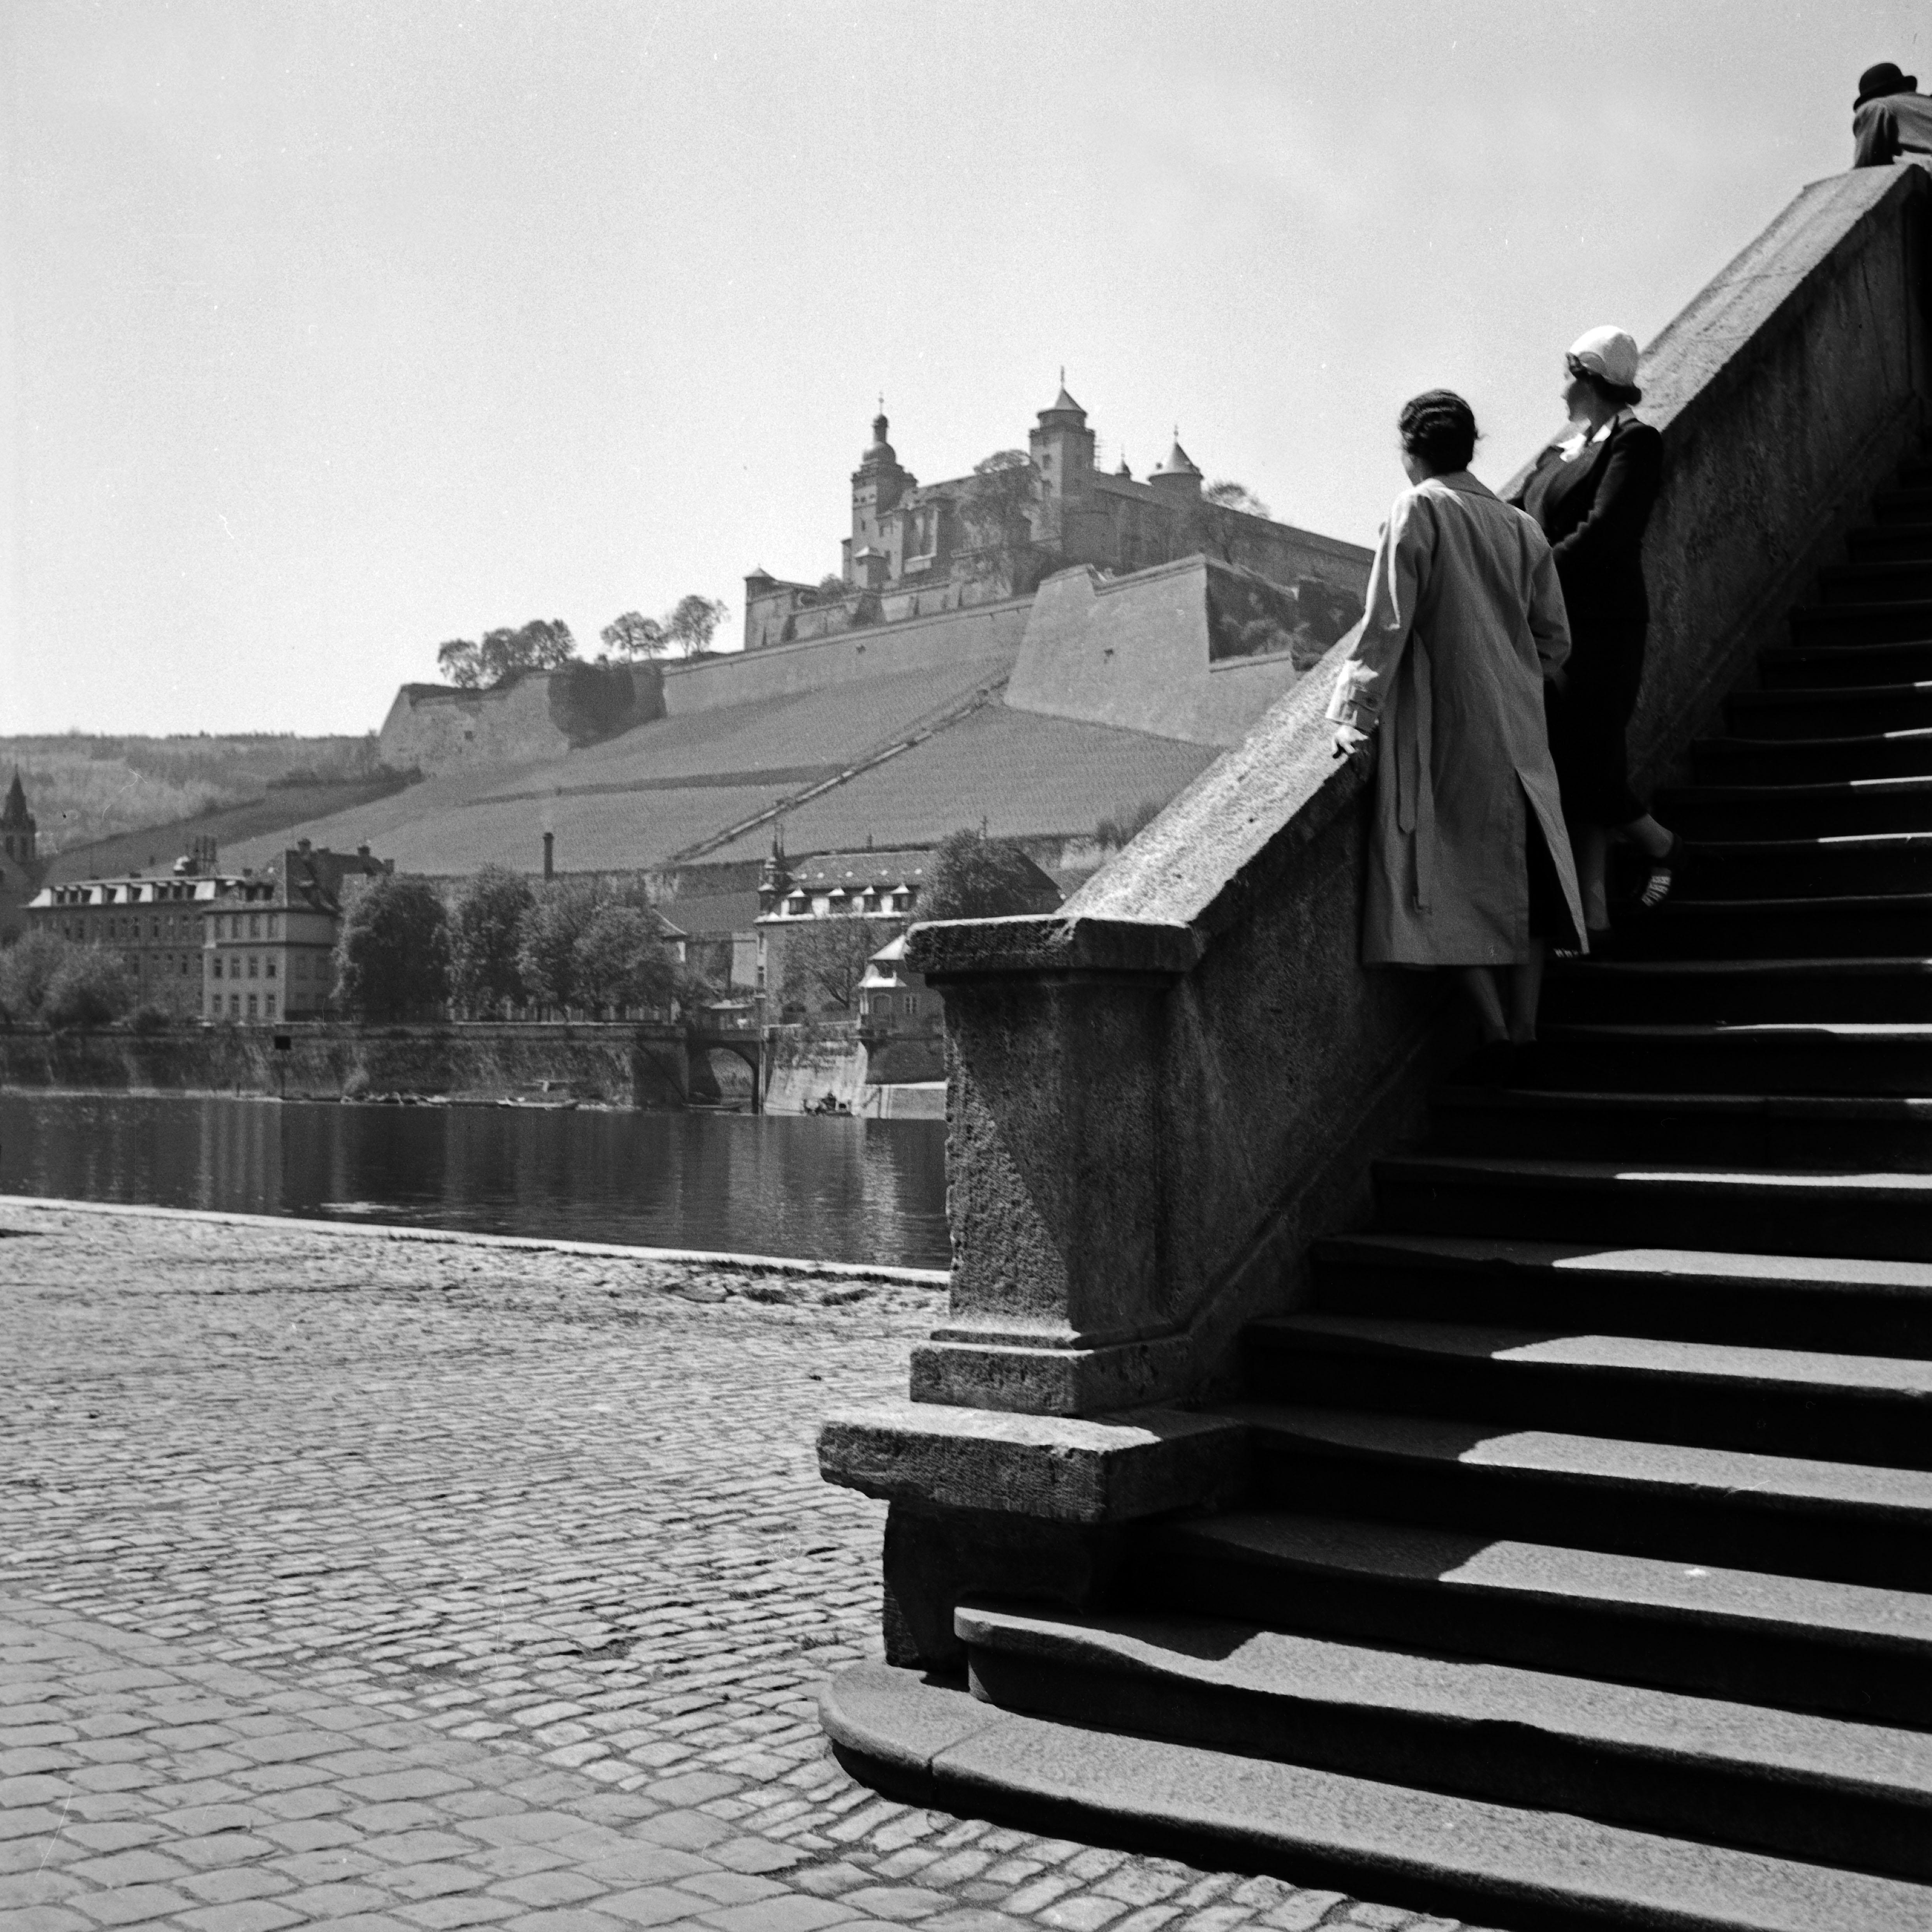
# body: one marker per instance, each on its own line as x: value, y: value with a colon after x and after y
x: 18, y: 829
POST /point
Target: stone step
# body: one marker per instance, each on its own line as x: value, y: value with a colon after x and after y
x: 1903, y: 504
x: 1793, y: 1784
x: 927, y: 1744
x: 1862, y: 925
x: 1843, y: 1058
x: 1833, y: 710
x: 1877, y: 620
x: 1772, y: 811
x: 1844, y: 666
x: 1715, y: 1395
x: 1816, y: 1133
x: 1845, y: 863
x: 1902, y: 541
x: 1903, y: 752
x: 1741, y: 1508
x: 1792, y: 1642
x: 1882, y: 1216
x: 1872, y: 1307
x: 1604, y: 990
x: 1869, y: 579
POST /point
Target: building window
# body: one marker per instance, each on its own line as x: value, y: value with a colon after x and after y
x: 214, y: 967
x: 270, y: 1009
x: 235, y: 1006
x: 254, y: 925
x: 254, y: 965
x: 270, y: 972
x: 302, y: 965
x: 251, y: 1006
x: 271, y: 926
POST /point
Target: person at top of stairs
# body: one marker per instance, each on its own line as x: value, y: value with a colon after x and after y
x: 1890, y: 118
x: 1468, y: 865
x: 1591, y: 495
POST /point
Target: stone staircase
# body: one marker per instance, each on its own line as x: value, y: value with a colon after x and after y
x: 1585, y: 1575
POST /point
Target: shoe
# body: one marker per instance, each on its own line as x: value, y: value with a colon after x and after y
x: 1663, y: 876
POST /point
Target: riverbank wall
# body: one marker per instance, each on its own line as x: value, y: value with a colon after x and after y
x: 612, y: 1065
x: 600, y: 1064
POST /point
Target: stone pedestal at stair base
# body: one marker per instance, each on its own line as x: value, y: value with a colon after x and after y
x: 1028, y: 1507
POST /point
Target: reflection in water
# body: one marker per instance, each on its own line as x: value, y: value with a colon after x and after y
x: 838, y: 1189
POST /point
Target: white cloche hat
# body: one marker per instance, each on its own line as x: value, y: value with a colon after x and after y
x: 1609, y: 352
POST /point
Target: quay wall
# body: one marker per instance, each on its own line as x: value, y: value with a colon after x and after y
x: 612, y: 1065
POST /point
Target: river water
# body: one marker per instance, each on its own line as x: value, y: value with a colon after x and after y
x: 835, y: 1189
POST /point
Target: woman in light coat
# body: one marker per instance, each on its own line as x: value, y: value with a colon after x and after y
x: 1469, y: 865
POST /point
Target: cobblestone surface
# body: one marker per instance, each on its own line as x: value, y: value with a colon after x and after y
x: 378, y: 1586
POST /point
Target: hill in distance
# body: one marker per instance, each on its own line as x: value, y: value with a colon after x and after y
x: 89, y: 790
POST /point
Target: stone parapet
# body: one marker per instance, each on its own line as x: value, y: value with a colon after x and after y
x: 1158, y: 1097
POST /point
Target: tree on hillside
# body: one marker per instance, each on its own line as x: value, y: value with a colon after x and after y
x: 484, y: 928
x: 693, y: 622
x: 827, y: 957
x: 391, y: 954
x: 633, y: 636
x: 542, y: 644
x: 996, y: 513
x: 975, y: 877
x: 1227, y: 495
x: 620, y: 959
x: 1215, y: 524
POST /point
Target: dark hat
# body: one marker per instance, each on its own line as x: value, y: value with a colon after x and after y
x: 1876, y: 82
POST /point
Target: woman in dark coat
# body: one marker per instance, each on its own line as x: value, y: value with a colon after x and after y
x: 1592, y: 495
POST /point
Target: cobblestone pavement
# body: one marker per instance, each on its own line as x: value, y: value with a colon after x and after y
x: 387, y: 1586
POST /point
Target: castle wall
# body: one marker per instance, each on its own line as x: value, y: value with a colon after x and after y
x: 1192, y: 650
x: 434, y: 728
x: 944, y: 638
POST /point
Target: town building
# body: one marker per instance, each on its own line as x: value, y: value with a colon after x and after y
x: 918, y: 549
x: 894, y: 1000
x: 830, y: 891
x: 21, y: 868
x: 269, y: 944
x: 154, y: 923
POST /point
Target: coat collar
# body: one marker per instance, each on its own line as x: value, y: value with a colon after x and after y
x: 1460, y: 480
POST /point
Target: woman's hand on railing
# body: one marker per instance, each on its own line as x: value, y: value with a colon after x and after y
x: 1350, y: 743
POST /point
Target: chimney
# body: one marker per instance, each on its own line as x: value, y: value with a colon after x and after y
x: 549, y: 861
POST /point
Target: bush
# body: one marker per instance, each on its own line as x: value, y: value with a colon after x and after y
x: 26, y: 968
x: 150, y: 1019
x: 1129, y: 826
x: 89, y: 988
x: 974, y: 877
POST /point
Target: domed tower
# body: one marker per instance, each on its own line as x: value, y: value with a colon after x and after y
x: 878, y: 486
x: 18, y: 831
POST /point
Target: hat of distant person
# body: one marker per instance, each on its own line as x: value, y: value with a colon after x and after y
x: 1609, y: 352
x: 1876, y: 82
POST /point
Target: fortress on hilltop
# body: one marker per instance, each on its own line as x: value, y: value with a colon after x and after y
x: 1038, y: 647
x: 918, y: 549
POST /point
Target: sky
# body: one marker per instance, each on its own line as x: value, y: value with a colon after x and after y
x: 332, y: 329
